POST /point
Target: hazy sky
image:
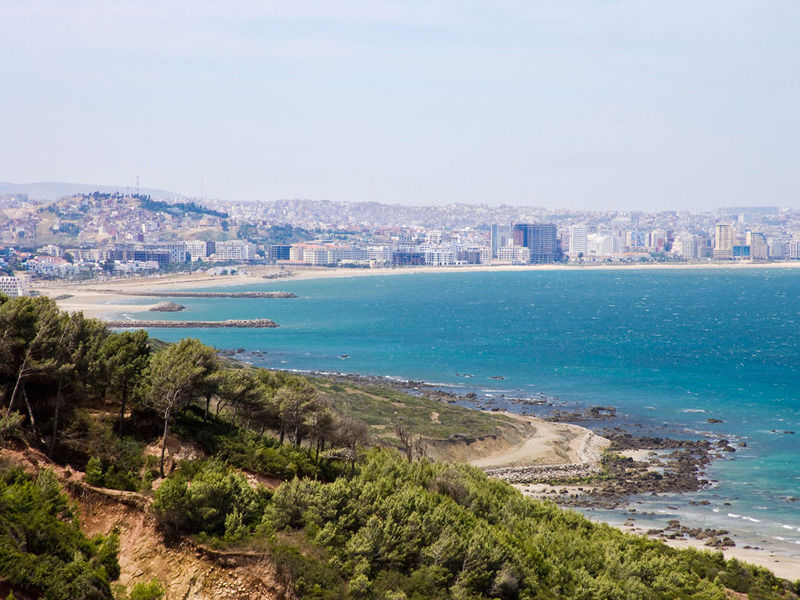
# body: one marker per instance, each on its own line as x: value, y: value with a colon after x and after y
x: 604, y: 104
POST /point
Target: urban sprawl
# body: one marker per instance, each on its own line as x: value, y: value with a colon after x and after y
x: 100, y: 235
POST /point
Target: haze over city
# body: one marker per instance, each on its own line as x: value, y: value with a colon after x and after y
x: 595, y: 105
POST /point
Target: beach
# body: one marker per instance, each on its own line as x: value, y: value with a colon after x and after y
x: 88, y: 297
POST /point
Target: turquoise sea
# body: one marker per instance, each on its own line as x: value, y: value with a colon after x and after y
x: 670, y: 348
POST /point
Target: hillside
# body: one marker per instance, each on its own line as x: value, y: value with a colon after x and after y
x: 212, y: 479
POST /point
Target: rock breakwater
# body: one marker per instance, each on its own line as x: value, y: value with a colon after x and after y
x: 196, y: 294
x: 241, y: 323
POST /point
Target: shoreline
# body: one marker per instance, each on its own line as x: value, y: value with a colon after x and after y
x: 101, y: 304
x: 105, y: 303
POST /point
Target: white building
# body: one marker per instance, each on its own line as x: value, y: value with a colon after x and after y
x: 380, y: 254
x: 794, y: 249
x: 516, y: 255
x: 235, y: 250
x: 778, y: 248
x: 16, y: 286
x: 196, y: 249
x: 758, y: 245
x: 599, y: 245
x: 578, y: 240
x: 686, y: 246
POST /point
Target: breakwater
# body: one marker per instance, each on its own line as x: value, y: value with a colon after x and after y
x: 197, y: 294
x: 241, y: 323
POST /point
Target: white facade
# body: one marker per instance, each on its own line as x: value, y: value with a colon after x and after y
x: 686, y: 246
x: 380, y: 254
x: 516, y: 255
x: 14, y: 287
x: 197, y: 249
x: 235, y: 250
x: 794, y: 249
x: 578, y: 240
x: 758, y: 245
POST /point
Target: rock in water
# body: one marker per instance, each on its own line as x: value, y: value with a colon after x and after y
x: 167, y: 307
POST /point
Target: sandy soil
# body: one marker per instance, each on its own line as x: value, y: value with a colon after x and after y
x: 549, y: 444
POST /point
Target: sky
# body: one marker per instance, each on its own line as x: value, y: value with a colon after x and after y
x: 599, y: 105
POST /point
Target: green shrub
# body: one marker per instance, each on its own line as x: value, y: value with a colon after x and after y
x: 200, y: 497
x: 153, y: 590
x: 42, y: 550
x: 94, y: 472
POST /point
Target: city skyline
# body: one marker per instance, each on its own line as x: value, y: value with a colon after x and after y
x: 601, y: 106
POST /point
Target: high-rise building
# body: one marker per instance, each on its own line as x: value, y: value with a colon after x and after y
x: 501, y: 236
x: 724, y: 241
x: 540, y: 238
x: 577, y: 241
x: 686, y: 245
x: 758, y: 245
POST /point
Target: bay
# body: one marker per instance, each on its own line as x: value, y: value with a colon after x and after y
x: 669, y: 348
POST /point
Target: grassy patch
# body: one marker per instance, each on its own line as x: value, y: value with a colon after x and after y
x: 381, y: 408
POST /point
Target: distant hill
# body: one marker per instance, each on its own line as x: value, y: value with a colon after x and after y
x: 53, y: 190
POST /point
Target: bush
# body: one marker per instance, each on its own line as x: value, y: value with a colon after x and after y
x: 147, y: 591
x: 94, y: 472
x: 201, y: 497
x: 43, y: 552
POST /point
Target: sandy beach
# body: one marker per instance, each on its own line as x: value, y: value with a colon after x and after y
x: 91, y: 298
x: 549, y: 443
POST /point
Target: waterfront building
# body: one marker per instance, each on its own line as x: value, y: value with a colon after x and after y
x: 686, y: 246
x: 196, y: 249
x: 656, y: 240
x: 794, y: 249
x: 501, y: 237
x: 405, y: 258
x: 516, y: 255
x: 279, y: 252
x: 599, y: 245
x: 234, y: 250
x: 380, y: 254
x: 724, y: 240
x: 540, y: 238
x: 577, y: 241
x: 777, y: 248
x: 15, y: 286
x: 758, y: 245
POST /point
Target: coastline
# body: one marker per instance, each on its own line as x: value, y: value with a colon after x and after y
x: 557, y: 444
x: 109, y: 303
x: 101, y: 304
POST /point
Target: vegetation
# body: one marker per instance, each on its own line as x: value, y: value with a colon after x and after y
x: 42, y: 550
x: 178, y: 208
x: 345, y: 522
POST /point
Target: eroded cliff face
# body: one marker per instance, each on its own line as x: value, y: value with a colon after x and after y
x: 466, y: 449
x: 188, y: 572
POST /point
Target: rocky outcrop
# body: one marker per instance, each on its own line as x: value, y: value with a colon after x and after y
x: 167, y: 307
x: 536, y: 473
x: 241, y: 323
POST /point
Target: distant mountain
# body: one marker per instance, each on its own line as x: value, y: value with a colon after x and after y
x: 53, y: 190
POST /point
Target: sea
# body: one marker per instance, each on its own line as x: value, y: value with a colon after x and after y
x: 673, y: 350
